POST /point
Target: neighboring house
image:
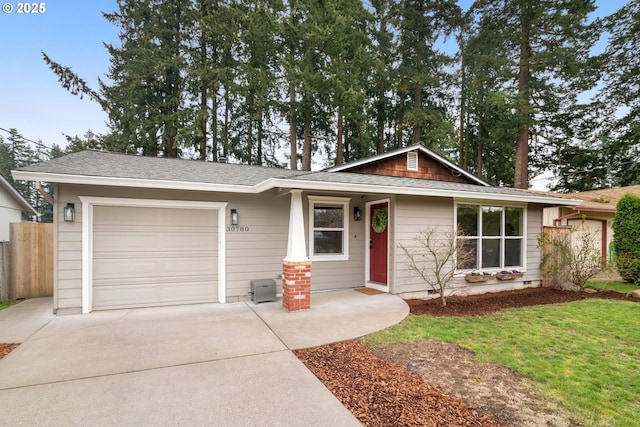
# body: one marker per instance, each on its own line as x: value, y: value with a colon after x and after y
x: 13, y: 208
x: 595, y: 214
x: 156, y: 231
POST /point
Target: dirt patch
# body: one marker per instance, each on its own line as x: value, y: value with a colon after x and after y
x: 6, y: 349
x: 432, y: 383
x: 496, y: 391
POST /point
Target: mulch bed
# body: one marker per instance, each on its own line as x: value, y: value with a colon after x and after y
x: 6, y: 349
x: 478, y: 305
x: 381, y: 393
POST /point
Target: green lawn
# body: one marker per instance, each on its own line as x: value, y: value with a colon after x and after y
x: 5, y: 304
x: 584, y: 354
x: 614, y: 286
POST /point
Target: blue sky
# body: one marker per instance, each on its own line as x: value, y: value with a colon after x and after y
x: 72, y: 33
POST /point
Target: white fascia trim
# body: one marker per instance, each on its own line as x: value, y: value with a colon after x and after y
x: 88, y: 203
x: 131, y: 182
x: 413, y: 191
x: 272, y: 183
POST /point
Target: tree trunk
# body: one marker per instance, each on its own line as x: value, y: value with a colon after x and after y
x: 293, y: 134
x: 480, y: 162
x: 260, y: 137
x: 306, y: 146
x: 522, y: 148
x: 203, y: 122
x: 340, y: 142
x: 417, y: 103
x: 214, y: 126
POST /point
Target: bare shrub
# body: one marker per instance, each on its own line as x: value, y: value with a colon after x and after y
x: 434, y: 258
x: 571, y: 257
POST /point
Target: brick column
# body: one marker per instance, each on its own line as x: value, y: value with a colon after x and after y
x: 296, y: 285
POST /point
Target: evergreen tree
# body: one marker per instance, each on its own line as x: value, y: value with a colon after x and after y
x: 552, y: 66
x: 421, y: 71
x: 621, y: 94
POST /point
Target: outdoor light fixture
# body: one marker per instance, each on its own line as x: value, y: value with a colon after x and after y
x: 234, y: 217
x: 356, y: 213
x: 69, y: 212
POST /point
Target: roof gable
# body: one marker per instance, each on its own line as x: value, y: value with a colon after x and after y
x: 13, y: 193
x: 415, y: 161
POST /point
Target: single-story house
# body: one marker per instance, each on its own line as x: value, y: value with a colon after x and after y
x: 134, y: 231
x: 594, y: 215
x: 13, y: 208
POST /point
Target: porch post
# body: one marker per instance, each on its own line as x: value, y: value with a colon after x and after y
x: 296, y: 267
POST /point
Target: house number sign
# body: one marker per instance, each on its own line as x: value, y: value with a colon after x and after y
x: 237, y: 229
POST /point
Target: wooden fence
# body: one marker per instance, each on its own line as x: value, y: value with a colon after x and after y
x: 30, y: 260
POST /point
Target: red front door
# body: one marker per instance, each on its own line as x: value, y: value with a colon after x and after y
x: 378, y: 243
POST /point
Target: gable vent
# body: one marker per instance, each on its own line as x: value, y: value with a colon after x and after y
x: 412, y: 161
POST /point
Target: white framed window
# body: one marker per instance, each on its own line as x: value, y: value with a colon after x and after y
x: 494, y: 234
x: 328, y: 228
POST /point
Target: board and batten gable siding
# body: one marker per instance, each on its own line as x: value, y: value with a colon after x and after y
x: 343, y: 274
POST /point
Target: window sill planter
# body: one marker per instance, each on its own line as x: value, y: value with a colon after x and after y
x: 478, y: 277
x: 509, y: 275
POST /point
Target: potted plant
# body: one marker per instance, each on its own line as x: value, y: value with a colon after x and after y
x: 509, y: 274
x: 478, y: 276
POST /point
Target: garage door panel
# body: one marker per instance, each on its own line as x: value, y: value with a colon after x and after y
x: 152, y: 266
x: 146, y: 256
x: 162, y: 217
x: 152, y: 294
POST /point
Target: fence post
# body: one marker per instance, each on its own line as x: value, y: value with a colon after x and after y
x: 4, y: 271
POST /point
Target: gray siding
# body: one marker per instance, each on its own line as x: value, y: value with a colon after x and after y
x: 256, y: 252
x: 256, y: 248
x: 326, y: 275
x: 415, y: 213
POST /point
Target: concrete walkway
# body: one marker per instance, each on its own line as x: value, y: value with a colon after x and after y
x: 209, y: 364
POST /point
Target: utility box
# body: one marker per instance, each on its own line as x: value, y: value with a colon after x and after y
x: 263, y: 290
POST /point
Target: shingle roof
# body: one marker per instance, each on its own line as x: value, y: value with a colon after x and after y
x: 391, y: 181
x: 103, y: 168
x: 607, y: 198
x: 115, y: 165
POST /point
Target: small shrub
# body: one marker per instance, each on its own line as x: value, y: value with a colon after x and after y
x: 570, y: 257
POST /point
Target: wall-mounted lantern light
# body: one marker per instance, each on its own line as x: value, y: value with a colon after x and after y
x: 234, y: 217
x: 69, y: 212
x: 356, y: 213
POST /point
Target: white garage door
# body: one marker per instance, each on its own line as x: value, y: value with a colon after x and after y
x: 144, y: 256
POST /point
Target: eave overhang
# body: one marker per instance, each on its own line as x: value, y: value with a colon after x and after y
x: 286, y: 183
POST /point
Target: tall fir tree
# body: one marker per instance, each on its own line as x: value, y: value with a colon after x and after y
x: 552, y: 66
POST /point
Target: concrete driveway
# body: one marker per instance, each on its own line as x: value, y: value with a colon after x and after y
x: 209, y: 364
